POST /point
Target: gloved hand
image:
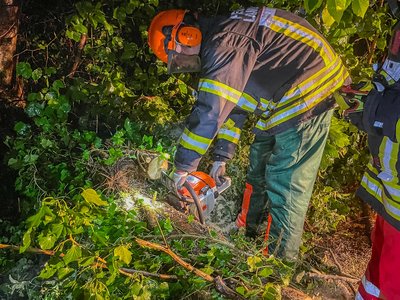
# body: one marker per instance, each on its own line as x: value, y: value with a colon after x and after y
x: 354, y: 97
x: 218, y: 170
x: 179, y: 179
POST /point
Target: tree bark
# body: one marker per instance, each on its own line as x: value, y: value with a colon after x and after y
x: 8, y: 40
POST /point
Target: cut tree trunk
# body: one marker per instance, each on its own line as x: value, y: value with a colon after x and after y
x: 8, y: 40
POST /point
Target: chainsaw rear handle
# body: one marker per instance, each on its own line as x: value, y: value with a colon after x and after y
x: 196, y: 201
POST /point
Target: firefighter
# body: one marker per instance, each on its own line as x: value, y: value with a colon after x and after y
x: 262, y: 61
x: 377, y: 112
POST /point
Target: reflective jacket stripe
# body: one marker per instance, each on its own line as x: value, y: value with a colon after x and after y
x: 309, y: 84
x: 370, y: 288
x: 231, y: 135
x: 391, y: 186
x: 263, y: 104
x: 375, y: 189
x: 194, y: 142
x: 247, y: 103
x: 304, y: 35
x: 388, y: 152
x: 307, y: 103
x: 372, y: 186
x: 219, y: 89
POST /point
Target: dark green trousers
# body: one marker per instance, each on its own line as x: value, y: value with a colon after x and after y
x: 281, y: 176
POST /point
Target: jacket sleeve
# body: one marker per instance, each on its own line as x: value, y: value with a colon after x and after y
x: 228, y: 135
x: 227, y: 62
x: 381, y: 115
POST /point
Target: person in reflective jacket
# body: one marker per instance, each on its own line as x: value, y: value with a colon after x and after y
x: 262, y: 61
x: 377, y: 112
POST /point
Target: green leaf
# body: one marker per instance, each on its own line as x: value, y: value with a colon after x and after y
x: 311, y: 5
x: 46, y: 242
x: 123, y: 253
x: 62, y: 272
x: 241, y: 290
x: 73, y: 254
x: 266, y: 272
x: 21, y: 128
x: 91, y: 196
x: 37, y: 74
x: 24, y: 69
x: 58, y: 84
x: 26, y: 241
x: 337, y: 7
x: 327, y: 18
x: 47, y: 271
x: 252, y: 262
x: 360, y: 7
x: 34, y: 109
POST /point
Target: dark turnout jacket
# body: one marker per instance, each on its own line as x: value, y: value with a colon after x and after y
x: 257, y: 60
x: 380, y: 185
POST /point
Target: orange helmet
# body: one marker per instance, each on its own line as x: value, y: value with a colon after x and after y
x: 169, y: 28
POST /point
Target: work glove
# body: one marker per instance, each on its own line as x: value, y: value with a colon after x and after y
x: 354, y: 97
x: 179, y: 179
x: 218, y: 170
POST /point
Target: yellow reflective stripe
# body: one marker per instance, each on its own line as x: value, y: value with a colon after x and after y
x: 372, y: 169
x: 229, y: 123
x: 219, y: 89
x: 192, y: 141
x: 304, y: 35
x: 375, y: 188
x: 311, y: 83
x: 398, y: 131
x: 308, y: 102
x: 231, y: 135
x: 391, y: 207
x: 264, y: 104
x: 372, y: 186
x: 388, y: 154
x: 247, y: 102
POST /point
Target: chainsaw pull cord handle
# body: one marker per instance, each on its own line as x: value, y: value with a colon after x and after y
x: 196, y: 201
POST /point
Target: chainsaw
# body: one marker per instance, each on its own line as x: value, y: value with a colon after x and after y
x: 198, y: 194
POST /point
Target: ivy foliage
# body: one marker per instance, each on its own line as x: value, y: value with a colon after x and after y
x: 93, y: 86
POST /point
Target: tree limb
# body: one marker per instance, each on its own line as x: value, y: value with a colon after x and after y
x: 219, y: 284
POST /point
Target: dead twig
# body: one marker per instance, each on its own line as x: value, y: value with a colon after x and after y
x: 331, y: 277
x: 78, y: 55
x: 130, y: 272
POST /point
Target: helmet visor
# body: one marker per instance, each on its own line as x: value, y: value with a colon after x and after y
x: 182, y: 63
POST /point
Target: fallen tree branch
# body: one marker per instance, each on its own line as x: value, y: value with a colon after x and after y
x: 101, y: 263
x: 219, y: 284
x: 30, y: 249
x: 331, y: 277
x: 129, y: 272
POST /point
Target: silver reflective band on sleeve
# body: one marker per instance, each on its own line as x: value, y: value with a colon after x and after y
x: 219, y: 89
x: 230, y: 135
x: 388, y: 152
x: 247, y: 103
x: 369, y: 287
x: 194, y: 142
x: 392, y: 210
x: 372, y: 187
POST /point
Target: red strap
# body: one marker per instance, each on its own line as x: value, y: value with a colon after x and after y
x: 265, y: 250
